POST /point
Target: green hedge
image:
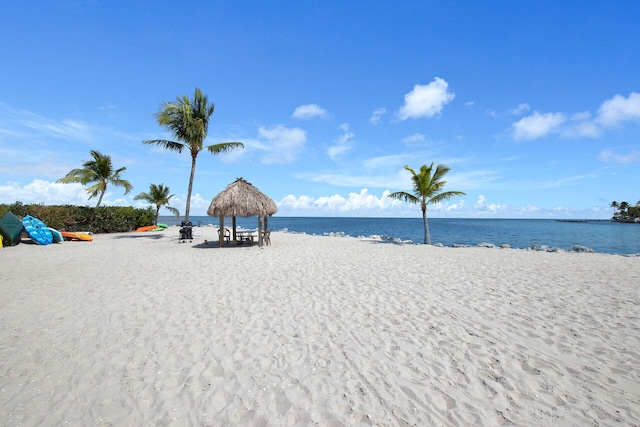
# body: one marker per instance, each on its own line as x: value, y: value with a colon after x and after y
x: 105, y: 219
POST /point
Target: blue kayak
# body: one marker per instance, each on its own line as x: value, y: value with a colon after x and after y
x: 37, y: 230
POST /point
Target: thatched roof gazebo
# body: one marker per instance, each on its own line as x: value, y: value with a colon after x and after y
x: 240, y: 198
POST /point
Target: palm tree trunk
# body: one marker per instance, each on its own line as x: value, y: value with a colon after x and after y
x: 100, y: 198
x: 193, y: 171
x: 427, y: 236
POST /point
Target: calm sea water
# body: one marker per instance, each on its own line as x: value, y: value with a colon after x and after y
x: 601, y: 236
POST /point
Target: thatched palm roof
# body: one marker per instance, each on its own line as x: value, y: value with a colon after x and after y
x: 240, y: 198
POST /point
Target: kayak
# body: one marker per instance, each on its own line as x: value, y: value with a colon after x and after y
x: 11, y: 229
x: 57, y: 236
x: 72, y: 235
x: 37, y: 230
x: 145, y: 228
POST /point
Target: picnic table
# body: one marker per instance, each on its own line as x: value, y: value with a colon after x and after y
x: 246, y: 235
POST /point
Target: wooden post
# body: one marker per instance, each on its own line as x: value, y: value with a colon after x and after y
x: 260, y: 231
x: 233, y: 222
x: 221, y: 231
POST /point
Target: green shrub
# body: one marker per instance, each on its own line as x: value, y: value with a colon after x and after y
x: 105, y: 219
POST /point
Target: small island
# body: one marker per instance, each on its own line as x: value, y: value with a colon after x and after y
x: 624, y: 212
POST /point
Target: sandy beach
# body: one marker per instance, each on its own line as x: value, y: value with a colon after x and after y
x: 139, y: 329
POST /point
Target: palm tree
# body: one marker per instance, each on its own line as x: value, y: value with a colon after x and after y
x: 158, y: 195
x: 623, y: 209
x: 427, y: 189
x: 99, y: 171
x: 614, y: 205
x: 188, y: 121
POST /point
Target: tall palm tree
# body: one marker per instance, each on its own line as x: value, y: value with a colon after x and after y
x: 614, y: 205
x: 427, y: 189
x: 158, y: 195
x: 188, y: 121
x: 99, y: 171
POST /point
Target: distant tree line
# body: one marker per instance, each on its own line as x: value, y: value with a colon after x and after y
x: 624, y: 212
x: 103, y: 219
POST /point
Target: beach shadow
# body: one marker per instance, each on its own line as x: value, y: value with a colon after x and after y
x: 140, y: 236
x: 216, y: 245
x: 390, y: 242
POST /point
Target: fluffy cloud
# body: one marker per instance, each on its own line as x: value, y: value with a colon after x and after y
x: 611, y: 157
x: 611, y: 113
x: 282, y: 144
x: 537, y: 125
x: 343, y: 143
x: 309, y: 111
x: 619, y: 109
x: 361, y: 202
x: 40, y: 191
x: 426, y: 100
x: 377, y: 114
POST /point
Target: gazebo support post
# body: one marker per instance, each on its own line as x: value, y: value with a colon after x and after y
x: 259, y: 231
x: 221, y: 232
x: 233, y: 222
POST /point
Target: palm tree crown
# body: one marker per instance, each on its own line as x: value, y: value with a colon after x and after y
x: 188, y: 121
x: 427, y: 189
x: 99, y: 171
x: 158, y: 195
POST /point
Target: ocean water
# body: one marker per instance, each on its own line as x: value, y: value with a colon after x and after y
x: 601, y: 236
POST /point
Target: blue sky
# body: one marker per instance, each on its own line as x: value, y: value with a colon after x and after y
x: 534, y: 105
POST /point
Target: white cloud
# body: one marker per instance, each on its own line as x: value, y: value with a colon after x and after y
x: 611, y: 157
x: 537, y: 125
x: 342, y: 143
x: 282, y: 144
x: 521, y: 108
x: 337, y: 204
x: 24, y: 123
x: 45, y: 192
x: 377, y: 114
x: 416, y: 137
x: 582, y: 129
x: 426, y: 100
x: 481, y: 205
x: 580, y: 117
x: 619, y: 109
x: 469, y: 104
x: 309, y: 111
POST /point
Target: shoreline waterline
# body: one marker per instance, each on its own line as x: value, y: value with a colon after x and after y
x: 543, y: 234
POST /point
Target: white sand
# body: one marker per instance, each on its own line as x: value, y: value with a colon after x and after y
x: 138, y: 329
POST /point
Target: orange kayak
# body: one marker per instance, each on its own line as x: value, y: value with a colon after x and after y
x: 71, y: 235
x: 145, y: 228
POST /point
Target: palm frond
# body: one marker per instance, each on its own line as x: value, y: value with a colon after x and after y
x: 143, y: 196
x: 405, y: 197
x: 174, y: 211
x: 123, y: 183
x: 445, y: 196
x: 167, y: 145
x: 224, y: 147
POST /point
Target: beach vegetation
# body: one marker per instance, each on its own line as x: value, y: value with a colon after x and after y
x: 100, y: 172
x: 428, y: 185
x: 188, y: 122
x: 159, y: 196
x: 104, y: 219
